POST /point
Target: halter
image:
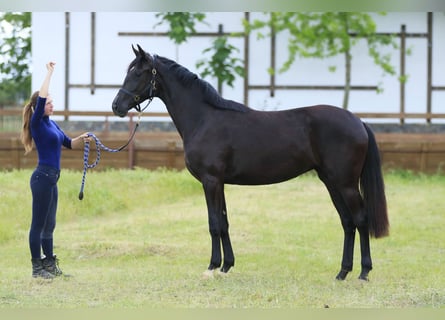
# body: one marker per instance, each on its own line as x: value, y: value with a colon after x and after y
x: 151, y: 90
x: 100, y: 145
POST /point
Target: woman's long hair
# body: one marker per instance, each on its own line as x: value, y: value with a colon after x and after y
x: 28, y: 110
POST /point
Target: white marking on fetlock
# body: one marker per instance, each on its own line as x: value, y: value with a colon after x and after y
x: 219, y: 273
x: 208, y: 274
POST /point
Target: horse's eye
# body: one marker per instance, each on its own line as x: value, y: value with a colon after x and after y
x: 136, y: 71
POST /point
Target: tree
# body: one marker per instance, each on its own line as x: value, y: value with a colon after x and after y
x: 15, y: 50
x: 327, y: 34
x: 182, y: 24
x: 222, y: 65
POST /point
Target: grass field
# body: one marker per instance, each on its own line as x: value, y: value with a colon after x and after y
x: 140, y: 239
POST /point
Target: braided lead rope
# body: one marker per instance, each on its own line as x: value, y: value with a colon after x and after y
x: 86, y: 155
x: 99, y: 146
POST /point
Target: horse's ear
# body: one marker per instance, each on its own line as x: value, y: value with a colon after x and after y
x: 134, y: 50
x: 144, y: 55
x: 141, y: 51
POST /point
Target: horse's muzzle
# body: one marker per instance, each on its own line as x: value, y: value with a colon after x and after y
x: 118, y: 111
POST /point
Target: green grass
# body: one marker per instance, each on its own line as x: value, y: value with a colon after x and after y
x: 140, y: 239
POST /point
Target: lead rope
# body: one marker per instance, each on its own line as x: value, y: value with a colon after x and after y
x: 99, y: 146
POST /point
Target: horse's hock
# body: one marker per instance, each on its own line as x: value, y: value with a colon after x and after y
x: 419, y: 152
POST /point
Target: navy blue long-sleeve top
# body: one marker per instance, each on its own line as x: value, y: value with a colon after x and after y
x: 48, y: 137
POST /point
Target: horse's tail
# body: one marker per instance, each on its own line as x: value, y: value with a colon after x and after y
x: 372, y: 189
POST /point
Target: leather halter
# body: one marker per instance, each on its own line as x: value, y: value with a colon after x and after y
x: 151, y: 90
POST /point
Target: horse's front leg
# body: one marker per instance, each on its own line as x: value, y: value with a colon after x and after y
x: 213, y: 190
x: 229, y: 258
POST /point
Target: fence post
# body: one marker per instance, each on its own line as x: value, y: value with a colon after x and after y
x: 402, y: 72
x: 220, y: 32
x: 424, y: 150
x: 429, y: 66
x: 272, y: 60
x: 67, y: 62
x: 15, y: 154
x: 171, y: 148
x: 131, y: 144
x: 246, y: 61
x: 106, y: 127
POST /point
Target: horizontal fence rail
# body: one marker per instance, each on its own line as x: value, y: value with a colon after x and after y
x: 363, y: 115
x: 413, y: 151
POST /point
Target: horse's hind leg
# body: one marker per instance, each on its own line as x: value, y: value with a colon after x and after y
x: 349, y: 204
x: 348, y: 249
x: 354, y: 218
x: 365, y: 253
x: 349, y: 233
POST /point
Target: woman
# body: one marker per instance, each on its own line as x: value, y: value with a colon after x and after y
x: 48, y: 139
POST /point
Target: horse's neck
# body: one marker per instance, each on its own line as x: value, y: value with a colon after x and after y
x: 185, y: 110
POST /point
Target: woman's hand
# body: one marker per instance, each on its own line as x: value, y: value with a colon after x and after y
x: 86, y: 137
x: 77, y: 141
x: 45, y: 85
x: 50, y: 66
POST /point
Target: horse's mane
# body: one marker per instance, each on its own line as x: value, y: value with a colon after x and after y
x: 189, y: 78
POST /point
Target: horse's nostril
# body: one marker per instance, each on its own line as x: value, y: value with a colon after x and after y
x: 114, y: 107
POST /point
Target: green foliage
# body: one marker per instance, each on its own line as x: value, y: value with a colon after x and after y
x: 328, y: 34
x: 222, y: 65
x: 15, y: 50
x: 182, y: 24
x: 14, y: 92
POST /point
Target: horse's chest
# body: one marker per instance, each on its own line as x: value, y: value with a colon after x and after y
x: 205, y: 157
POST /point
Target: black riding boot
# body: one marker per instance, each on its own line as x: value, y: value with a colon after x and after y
x: 51, y: 265
x: 38, y: 271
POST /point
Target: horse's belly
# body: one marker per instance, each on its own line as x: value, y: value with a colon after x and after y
x: 266, y: 173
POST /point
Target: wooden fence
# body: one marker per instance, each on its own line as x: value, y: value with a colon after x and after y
x: 416, y: 152
x: 413, y: 151
x: 147, y: 150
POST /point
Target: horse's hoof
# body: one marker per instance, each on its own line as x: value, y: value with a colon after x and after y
x: 225, y: 268
x: 208, y: 274
x: 342, y: 275
x: 363, y: 277
x: 364, y: 274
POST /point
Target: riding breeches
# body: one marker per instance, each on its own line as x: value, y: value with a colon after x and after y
x: 43, y: 184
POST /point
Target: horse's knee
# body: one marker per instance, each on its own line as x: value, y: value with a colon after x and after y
x: 360, y: 219
x: 215, y: 232
x: 348, y: 225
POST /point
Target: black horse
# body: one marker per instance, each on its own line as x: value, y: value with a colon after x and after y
x: 227, y: 142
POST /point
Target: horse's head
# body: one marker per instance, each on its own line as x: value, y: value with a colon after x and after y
x: 139, y: 84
